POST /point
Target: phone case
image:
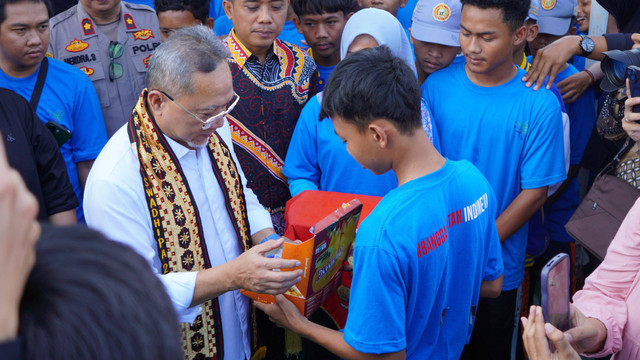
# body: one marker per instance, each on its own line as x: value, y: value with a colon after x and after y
x: 557, y: 317
x: 633, y: 74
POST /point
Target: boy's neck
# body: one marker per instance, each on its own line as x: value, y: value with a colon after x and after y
x: 495, y: 77
x: 332, y: 60
x: 415, y: 157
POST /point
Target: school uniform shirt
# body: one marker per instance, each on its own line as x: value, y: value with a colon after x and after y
x: 272, y: 96
x: 324, y: 73
x: 511, y: 133
x: 33, y: 152
x: 69, y: 99
x: 115, y: 204
x: 318, y: 160
x: 419, y: 260
x: 76, y: 39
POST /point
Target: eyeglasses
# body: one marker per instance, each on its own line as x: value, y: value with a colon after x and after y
x: 115, y: 69
x: 207, y: 124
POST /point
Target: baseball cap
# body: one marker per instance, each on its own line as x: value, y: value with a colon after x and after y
x: 554, y: 16
x: 533, y: 10
x: 437, y: 21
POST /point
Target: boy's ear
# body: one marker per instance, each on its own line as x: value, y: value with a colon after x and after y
x: 520, y: 35
x: 532, y: 32
x: 403, y: 3
x: 379, y: 133
x: 209, y: 23
x: 228, y: 8
x: 348, y: 15
x: 296, y: 22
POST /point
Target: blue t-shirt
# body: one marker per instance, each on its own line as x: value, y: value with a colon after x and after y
x: 582, y: 118
x: 324, y: 71
x: 69, y: 99
x: 423, y: 301
x: 512, y: 133
x: 406, y: 13
x: 318, y: 160
x: 215, y: 9
x: 222, y: 25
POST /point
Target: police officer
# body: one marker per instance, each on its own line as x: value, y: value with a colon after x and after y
x: 111, y: 42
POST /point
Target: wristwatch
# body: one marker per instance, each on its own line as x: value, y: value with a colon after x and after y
x: 586, y: 45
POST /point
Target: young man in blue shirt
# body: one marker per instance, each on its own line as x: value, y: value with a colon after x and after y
x: 321, y: 22
x: 485, y: 114
x: 175, y: 14
x: 429, y: 249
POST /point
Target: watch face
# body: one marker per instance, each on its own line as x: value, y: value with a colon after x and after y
x: 587, y: 44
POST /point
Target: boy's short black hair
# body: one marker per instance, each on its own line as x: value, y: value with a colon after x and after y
x: 3, y: 6
x: 92, y: 298
x: 513, y: 11
x: 318, y: 7
x: 199, y: 8
x: 373, y: 84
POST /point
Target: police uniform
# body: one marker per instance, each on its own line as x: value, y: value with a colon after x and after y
x: 77, y: 40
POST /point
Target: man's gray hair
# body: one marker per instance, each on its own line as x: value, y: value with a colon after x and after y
x: 187, y: 51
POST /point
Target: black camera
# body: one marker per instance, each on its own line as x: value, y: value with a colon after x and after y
x: 614, y: 66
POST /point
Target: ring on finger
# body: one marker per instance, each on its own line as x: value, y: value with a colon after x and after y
x: 627, y: 119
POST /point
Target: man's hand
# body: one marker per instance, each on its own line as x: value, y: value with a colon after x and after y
x: 255, y: 272
x: 535, y: 334
x: 550, y: 60
x: 19, y: 232
x: 574, y: 86
x: 283, y: 313
x: 636, y: 40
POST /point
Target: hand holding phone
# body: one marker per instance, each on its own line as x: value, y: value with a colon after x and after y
x: 555, y: 291
x: 633, y: 74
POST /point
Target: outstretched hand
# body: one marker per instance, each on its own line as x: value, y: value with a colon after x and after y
x: 255, y: 272
x: 549, y: 61
x: 283, y: 313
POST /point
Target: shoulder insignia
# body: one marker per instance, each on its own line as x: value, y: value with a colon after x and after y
x: 87, y: 27
x: 76, y: 46
x: 143, y: 34
x: 87, y: 70
x: 128, y: 22
x: 145, y: 61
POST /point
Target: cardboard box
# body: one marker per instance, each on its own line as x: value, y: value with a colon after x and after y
x: 321, y: 259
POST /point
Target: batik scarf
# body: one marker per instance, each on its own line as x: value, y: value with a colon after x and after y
x: 176, y: 223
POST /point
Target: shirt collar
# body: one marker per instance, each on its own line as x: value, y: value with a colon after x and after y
x: 85, y: 21
x: 241, y: 54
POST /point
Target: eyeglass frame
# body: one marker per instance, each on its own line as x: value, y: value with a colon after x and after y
x: 210, y: 121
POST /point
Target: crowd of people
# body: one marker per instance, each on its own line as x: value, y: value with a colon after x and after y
x: 161, y: 142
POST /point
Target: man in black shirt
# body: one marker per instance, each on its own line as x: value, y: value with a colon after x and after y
x: 33, y: 152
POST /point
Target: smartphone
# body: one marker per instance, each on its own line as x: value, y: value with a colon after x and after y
x: 555, y: 291
x: 60, y: 133
x: 633, y: 74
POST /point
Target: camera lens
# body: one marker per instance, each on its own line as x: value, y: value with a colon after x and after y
x: 614, y: 66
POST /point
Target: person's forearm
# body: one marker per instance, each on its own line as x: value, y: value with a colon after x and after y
x: 260, y: 235
x: 492, y: 288
x: 64, y: 218
x: 333, y: 341
x: 83, y: 168
x: 520, y: 211
x: 213, y: 282
x: 8, y: 322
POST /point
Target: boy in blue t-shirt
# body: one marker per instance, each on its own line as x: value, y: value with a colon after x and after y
x: 321, y: 23
x: 486, y: 115
x: 175, y: 14
x: 429, y: 249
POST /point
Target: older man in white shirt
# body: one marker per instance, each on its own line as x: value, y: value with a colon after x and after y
x: 167, y: 184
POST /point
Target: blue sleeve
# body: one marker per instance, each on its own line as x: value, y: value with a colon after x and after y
x: 543, y: 155
x: 493, y: 266
x: 582, y: 117
x: 376, y: 320
x: 301, y: 163
x: 89, y: 131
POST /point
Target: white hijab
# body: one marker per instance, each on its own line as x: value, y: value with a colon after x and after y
x: 383, y: 27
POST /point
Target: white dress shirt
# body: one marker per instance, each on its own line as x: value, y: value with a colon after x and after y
x: 115, y: 204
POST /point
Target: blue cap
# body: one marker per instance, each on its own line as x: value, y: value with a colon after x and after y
x: 437, y: 21
x: 554, y: 16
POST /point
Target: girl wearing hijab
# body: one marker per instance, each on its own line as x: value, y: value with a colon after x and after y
x: 317, y: 159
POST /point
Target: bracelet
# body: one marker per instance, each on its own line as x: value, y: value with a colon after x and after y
x: 273, y: 236
x: 593, y: 78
